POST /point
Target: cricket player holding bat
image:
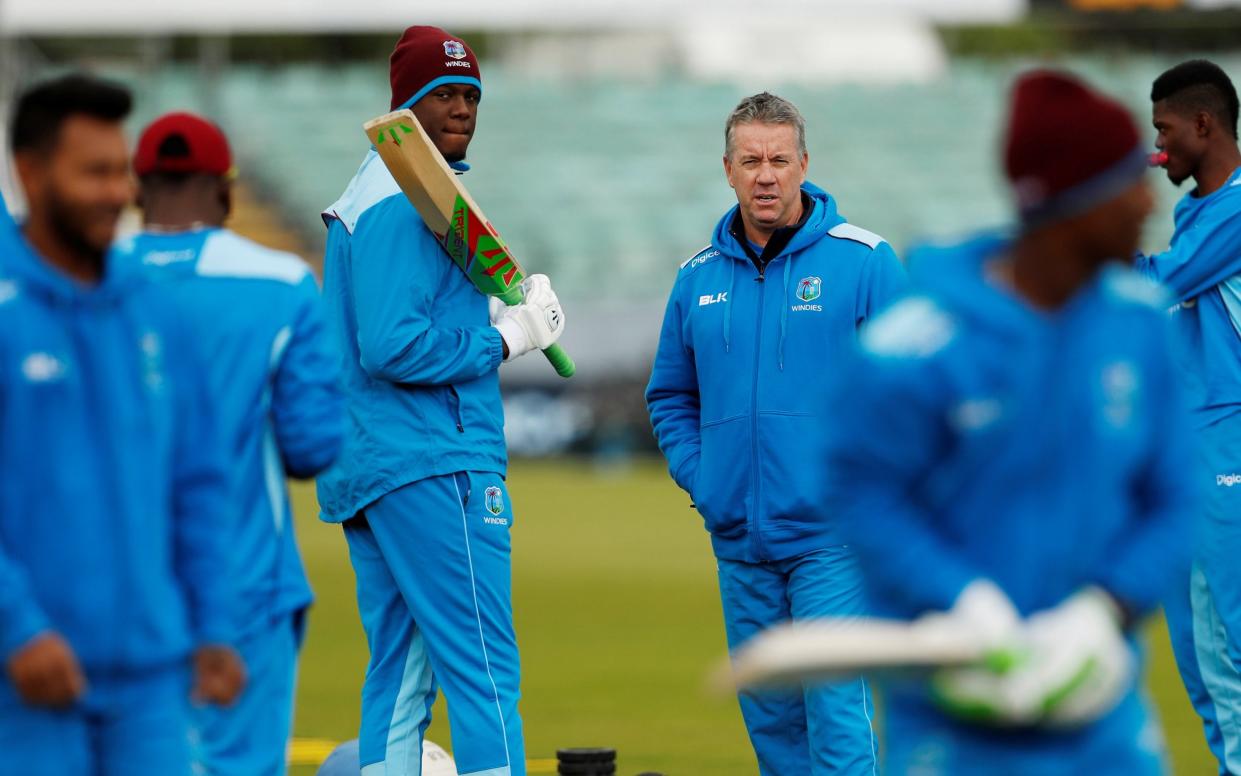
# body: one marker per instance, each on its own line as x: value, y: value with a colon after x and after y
x: 754, y: 322
x: 420, y: 485
x: 1012, y: 453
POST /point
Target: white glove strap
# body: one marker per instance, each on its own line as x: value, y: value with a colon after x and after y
x: 515, y: 337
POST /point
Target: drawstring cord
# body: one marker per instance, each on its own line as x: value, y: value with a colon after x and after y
x: 784, y: 308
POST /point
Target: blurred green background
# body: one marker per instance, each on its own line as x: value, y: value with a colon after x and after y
x: 618, y: 619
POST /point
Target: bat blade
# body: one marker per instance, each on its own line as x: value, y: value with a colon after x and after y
x: 823, y: 650
x: 451, y: 214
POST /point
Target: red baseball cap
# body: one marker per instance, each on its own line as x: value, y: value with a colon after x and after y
x: 183, y: 143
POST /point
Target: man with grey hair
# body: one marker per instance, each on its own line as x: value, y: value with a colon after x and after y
x: 756, y: 320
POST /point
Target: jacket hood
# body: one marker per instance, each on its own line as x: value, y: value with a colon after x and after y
x: 21, y: 262
x: 823, y: 216
x: 954, y: 274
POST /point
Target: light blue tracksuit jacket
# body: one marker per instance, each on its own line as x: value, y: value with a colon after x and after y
x: 419, y: 357
x: 273, y: 379
x: 730, y: 393
x: 114, y: 505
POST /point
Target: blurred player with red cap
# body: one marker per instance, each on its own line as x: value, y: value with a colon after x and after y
x: 272, y: 380
x: 1015, y: 459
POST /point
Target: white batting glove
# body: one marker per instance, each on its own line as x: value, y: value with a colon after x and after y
x: 979, y: 693
x: 1079, y: 665
x: 1071, y: 667
x: 495, y: 309
x: 536, y: 323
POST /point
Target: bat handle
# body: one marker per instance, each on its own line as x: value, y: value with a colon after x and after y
x: 560, y: 360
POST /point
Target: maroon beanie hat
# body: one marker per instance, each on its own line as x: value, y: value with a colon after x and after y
x: 426, y: 57
x: 1068, y: 147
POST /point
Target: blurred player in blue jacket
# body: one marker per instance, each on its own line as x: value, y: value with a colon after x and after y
x: 754, y: 320
x: 272, y: 380
x: 1014, y: 452
x: 1195, y: 115
x: 420, y: 486
x: 114, y: 582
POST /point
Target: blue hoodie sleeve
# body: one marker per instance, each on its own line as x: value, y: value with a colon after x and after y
x: 307, y: 405
x: 1203, y: 256
x: 883, y: 281
x: 887, y: 435
x: 201, y: 506
x: 397, y: 267
x: 672, y: 396
x: 21, y: 618
x: 1141, y: 567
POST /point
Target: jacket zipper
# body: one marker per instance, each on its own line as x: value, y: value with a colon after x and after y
x: 456, y: 407
x: 756, y: 538
x: 119, y: 654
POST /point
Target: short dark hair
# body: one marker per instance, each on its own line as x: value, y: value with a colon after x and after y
x: 42, y: 109
x: 1199, y: 85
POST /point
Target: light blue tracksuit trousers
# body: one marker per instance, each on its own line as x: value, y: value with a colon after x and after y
x: 432, y: 561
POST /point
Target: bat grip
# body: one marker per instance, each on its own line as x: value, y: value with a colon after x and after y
x: 560, y: 360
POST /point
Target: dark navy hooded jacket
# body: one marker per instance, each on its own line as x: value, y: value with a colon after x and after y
x: 731, y: 394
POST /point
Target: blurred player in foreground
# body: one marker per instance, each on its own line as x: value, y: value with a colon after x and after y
x: 1012, y: 455
x: 420, y: 486
x: 113, y: 505
x: 272, y: 379
x: 763, y: 312
x: 1195, y: 115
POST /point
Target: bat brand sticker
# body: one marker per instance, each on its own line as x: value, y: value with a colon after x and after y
x: 470, y: 240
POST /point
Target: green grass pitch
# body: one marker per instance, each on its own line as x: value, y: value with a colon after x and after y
x: 618, y: 618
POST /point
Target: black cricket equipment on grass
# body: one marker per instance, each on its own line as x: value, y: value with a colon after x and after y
x: 586, y: 762
x: 587, y: 769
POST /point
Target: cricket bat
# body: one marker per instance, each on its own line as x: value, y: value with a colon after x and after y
x: 823, y: 650
x: 451, y: 213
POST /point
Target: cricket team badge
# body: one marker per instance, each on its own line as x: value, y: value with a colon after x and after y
x: 454, y: 49
x: 808, y: 289
x: 493, y: 499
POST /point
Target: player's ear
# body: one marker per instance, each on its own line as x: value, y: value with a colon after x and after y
x: 1202, y: 123
x: 226, y: 197
x: 30, y: 165
x: 728, y: 170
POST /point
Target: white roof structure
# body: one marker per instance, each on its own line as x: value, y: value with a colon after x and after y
x: 144, y: 17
